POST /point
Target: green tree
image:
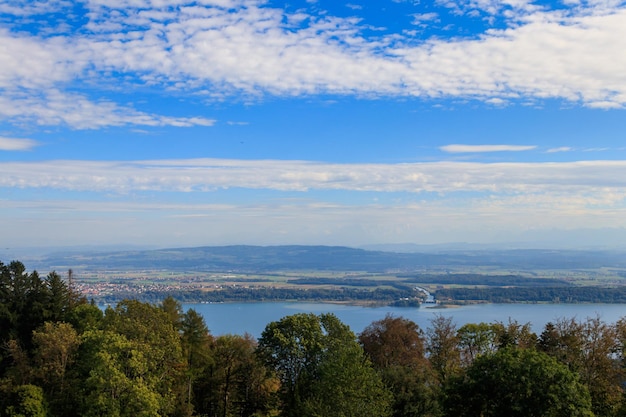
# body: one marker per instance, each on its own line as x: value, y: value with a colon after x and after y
x: 292, y: 347
x: 322, y: 368
x: 85, y: 316
x: 516, y: 382
x: 152, y: 334
x: 174, y: 311
x: 239, y: 384
x: 58, y: 293
x: 6, y: 312
x: 514, y: 334
x: 26, y: 401
x: 55, y: 347
x: 347, y: 386
x: 476, y: 340
x: 24, y: 299
x: 117, y: 378
x: 196, y: 344
x: 563, y: 340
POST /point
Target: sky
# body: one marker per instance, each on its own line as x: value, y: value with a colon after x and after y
x: 163, y: 123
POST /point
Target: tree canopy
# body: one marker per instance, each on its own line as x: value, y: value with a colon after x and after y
x: 63, y: 356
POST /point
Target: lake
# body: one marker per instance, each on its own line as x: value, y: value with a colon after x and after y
x: 239, y: 318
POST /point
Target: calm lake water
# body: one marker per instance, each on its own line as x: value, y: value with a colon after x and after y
x: 239, y: 318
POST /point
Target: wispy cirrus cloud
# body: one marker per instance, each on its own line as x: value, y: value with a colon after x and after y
x: 560, y: 149
x: 56, y: 108
x: 503, y: 218
x: 17, y: 144
x: 207, y: 175
x: 456, y: 148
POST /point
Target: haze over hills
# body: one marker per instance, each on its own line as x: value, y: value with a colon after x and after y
x: 245, y: 258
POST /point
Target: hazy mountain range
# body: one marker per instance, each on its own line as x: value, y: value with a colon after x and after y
x: 243, y: 258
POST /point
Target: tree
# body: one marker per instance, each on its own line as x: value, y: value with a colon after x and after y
x: 589, y: 348
x: 151, y: 332
x: 394, y: 341
x: 117, y: 377
x: 514, y: 334
x: 174, y: 311
x: 600, y: 370
x: 476, y: 340
x: 196, y: 342
x: 85, y: 316
x: 517, y: 382
x: 563, y: 340
x: 58, y: 297
x: 55, y: 347
x: 26, y: 401
x: 442, y: 345
x: 322, y: 369
x: 292, y: 347
x: 20, y: 371
x: 620, y: 331
x: 396, y: 348
x: 23, y: 303
x: 347, y: 386
x: 237, y: 382
x: 27, y: 301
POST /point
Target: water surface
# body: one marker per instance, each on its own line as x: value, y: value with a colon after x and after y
x: 240, y: 318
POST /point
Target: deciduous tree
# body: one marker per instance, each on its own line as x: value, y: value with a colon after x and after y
x: 322, y: 368
x: 517, y: 382
x: 442, y: 346
x: 396, y: 347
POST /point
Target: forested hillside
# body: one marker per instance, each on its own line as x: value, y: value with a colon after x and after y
x: 337, y: 258
x: 64, y: 356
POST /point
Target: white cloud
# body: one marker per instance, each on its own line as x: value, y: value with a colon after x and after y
x: 560, y: 149
x: 222, y: 48
x: 485, y: 148
x: 30, y: 8
x: 53, y: 108
x: 491, y: 7
x: 16, y: 144
x: 600, y: 149
x: 420, y: 18
x: 206, y: 175
x: 29, y: 62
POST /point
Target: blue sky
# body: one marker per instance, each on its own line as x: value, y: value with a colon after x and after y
x: 180, y: 123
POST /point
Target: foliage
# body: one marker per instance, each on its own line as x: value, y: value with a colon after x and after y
x: 442, y: 347
x: 396, y: 347
x: 236, y: 383
x: 26, y: 401
x: 322, y: 368
x: 517, y: 383
x: 62, y: 356
x: 589, y: 348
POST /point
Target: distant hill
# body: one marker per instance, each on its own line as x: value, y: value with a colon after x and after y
x: 241, y: 258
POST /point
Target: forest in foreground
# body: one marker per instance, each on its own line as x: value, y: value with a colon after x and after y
x: 63, y: 356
